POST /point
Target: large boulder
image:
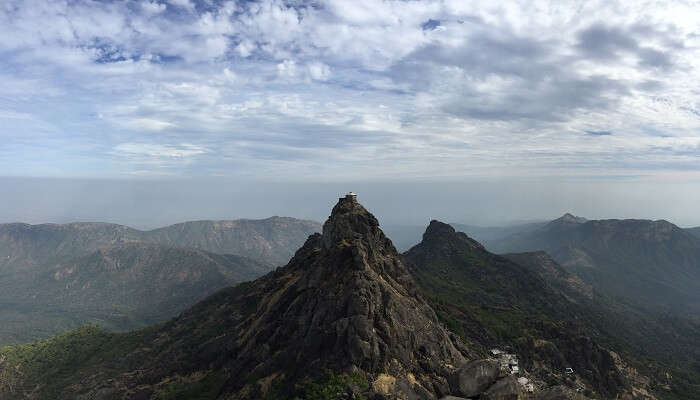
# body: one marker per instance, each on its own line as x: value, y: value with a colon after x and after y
x: 474, y: 377
x: 505, y: 389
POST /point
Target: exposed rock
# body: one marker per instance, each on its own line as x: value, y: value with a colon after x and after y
x: 452, y: 398
x: 474, y: 377
x: 505, y: 389
x: 384, y: 384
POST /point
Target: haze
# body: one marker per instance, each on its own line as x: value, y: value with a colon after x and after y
x: 148, y: 204
x: 152, y: 112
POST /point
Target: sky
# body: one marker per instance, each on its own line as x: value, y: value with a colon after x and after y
x: 545, y: 107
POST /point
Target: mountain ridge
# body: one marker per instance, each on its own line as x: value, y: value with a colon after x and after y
x: 652, y: 263
x: 218, y: 236
x: 363, y: 321
x: 122, y: 287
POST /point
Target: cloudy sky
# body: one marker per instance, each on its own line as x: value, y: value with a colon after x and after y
x: 347, y: 91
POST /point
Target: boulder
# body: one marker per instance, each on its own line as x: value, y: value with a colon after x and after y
x: 504, y: 389
x: 474, y: 377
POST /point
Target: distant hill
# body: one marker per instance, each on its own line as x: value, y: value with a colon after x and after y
x: 55, y: 277
x: 486, y: 234
x: 122, y: 287
x: 272, y: 240
x: 406, y: 236
x: 654, y: 264
x: 695, y: 231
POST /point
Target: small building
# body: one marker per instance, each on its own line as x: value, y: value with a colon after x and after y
x: 569, y: 371
x: 350, y: 196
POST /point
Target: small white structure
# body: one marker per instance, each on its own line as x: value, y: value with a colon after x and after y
x: 351, y: 196
x: 569, y: 371
x: 508, y: 361
x: 525, y: 383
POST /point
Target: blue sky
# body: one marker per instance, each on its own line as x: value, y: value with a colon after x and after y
x: 343, y: 91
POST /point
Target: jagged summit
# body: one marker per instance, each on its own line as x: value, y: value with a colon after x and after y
x: 350, y: 221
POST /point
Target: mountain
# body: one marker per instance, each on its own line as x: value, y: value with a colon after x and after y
x: 654, y: 264
x: 486, y: 234
x: 122, y: 287
x: 272, y: 240
x: 492, y: 301
x: 345, y: 303
x: 346, y: 318
x: 57, y: 277
x: 541, y: 263
x: 553, y: 319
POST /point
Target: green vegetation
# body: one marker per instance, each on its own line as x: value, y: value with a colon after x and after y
x: 331, y: 385
x: 50, y: 366
x: 206, y: 388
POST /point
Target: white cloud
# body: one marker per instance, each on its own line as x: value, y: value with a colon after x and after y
x: 484, y: 87
x: 152, y: 7
x: 319, y: 71
x: 146, y: 124
x: 184, y: 150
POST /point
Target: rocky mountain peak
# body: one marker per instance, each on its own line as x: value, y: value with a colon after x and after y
x: 347, y: 302
x: 438, y: 229
x: 443, y: 239
x: 350, y: 221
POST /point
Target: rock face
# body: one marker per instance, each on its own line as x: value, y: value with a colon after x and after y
x: 474, y: 377
x: 505, y: 389
x: 346, y: 301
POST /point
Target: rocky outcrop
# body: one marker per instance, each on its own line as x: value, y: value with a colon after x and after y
x: 474, y: 377
x: 505, y: 389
